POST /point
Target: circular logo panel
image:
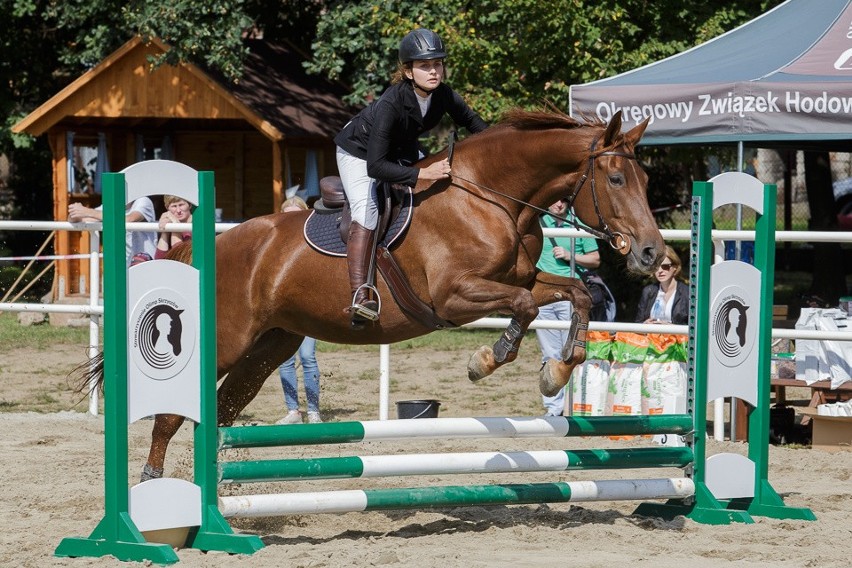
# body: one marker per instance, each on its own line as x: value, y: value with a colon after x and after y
x: 733, y: 325
x: 163, y: 333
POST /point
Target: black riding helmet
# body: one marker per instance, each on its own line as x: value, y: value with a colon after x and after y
x: 421, y: 44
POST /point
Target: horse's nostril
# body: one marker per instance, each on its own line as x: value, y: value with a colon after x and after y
x: 649, y: 256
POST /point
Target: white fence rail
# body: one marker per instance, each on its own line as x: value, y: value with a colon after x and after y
x: 95, y: 310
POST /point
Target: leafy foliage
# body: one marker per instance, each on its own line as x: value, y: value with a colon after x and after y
x: 503, y: 53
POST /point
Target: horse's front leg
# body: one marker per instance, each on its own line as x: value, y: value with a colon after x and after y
x: 549, y: 288
x: 476, y: 296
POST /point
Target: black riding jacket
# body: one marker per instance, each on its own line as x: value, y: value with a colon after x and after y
x: 387, y: 131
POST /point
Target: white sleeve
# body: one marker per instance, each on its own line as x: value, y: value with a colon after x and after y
x: 145, y: 207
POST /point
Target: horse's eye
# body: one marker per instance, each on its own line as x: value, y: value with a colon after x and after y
x: 616, y: 180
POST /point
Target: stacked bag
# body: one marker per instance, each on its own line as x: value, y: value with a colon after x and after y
x: 630, y: 374
x: 590, y: 381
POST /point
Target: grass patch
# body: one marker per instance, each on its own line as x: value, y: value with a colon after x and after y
x: 725, y: 219
x: 45, y: 399
x: 16, y: 336
x: 370, y: 375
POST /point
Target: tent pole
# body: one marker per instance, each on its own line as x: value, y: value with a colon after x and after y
x: 737, y: 256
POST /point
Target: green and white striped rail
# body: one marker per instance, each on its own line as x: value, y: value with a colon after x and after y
x: 454, y: 496
x: 443, y: 428
x: 451, y: 463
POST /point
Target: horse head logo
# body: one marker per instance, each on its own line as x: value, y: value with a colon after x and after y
x: 730, y: 327
x: 160, y: 336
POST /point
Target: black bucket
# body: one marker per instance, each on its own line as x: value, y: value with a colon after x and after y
x: 417, y: 408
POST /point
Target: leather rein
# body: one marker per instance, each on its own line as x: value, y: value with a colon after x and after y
x: 615, y: 239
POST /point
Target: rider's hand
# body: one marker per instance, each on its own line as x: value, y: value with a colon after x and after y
x: 436, y: 171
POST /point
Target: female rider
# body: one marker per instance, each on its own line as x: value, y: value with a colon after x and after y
x: 378, y: 142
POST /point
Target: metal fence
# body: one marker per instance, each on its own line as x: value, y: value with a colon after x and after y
x: 770, y: 166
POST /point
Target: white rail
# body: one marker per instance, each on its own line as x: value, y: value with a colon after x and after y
x: 95, y: 310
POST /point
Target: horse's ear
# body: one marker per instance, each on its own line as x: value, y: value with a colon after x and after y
x: 613, y: 129
x: 632, y: 137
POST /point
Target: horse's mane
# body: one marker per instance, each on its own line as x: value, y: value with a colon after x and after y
x: 543, y: 119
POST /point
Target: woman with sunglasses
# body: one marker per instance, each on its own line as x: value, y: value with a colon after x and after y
x: 666, y: 301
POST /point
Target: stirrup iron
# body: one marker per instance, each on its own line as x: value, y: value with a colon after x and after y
x: 361, y: 310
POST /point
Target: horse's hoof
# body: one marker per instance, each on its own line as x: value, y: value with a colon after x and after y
x: 553, y: 376
x: 481, y: 364
x: 149, y: 472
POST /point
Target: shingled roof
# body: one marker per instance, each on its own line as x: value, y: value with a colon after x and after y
x: 275, y: 93
x: 276, y: 86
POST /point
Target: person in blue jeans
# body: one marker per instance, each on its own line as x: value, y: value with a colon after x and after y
x: 307, y: 356
x: 310, y: 377
x: 556, y: 259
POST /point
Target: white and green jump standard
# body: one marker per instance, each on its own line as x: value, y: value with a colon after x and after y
x: 729, y: 355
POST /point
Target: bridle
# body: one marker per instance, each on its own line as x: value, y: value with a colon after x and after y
x: 615, y: 239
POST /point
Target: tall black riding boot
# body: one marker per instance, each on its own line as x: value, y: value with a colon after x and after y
x: 359, y: 254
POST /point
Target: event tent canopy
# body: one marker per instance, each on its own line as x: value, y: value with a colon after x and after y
x: 783, y: 77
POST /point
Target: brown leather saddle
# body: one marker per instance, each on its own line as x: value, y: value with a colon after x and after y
x: 327, y: 229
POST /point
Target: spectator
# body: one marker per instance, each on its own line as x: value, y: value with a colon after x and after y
x: 307, y: 355
x: 138, y: 211
x: 178, y: 210
x: 556, y: 259
x: 310, y: 378
x: 667, y: 300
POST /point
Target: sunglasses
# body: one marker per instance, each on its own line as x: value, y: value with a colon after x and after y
x: 666, y: 266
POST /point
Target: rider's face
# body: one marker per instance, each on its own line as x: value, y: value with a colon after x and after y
x: 427, y: 74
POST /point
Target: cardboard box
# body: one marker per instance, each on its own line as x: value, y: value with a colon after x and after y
x: 831, y: 433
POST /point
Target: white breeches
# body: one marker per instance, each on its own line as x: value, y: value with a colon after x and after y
x: 359, y: 189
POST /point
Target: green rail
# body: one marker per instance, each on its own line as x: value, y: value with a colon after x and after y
x: 352, y: 467
x: 445, y: 428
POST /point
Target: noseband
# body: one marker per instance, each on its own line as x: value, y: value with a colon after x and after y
x: 615, y: 239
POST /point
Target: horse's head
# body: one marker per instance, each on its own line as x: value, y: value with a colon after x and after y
x: 611, y: 197
x: 535, y: 158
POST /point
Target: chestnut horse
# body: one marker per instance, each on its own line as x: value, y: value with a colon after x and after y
x: 470, y: 252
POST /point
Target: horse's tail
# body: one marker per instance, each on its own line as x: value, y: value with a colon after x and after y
x: 88, y: 376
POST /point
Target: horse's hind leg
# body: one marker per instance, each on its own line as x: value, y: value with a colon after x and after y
x: 238, y: 389
x: 247, y: 376
x: 548, y: 289
x: 165, y: 427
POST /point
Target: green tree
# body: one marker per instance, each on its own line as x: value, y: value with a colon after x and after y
x: 46, y: 44
x: 505, y: 53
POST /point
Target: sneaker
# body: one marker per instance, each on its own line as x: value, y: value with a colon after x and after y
x: 314, y: 418
x: 293, y: 417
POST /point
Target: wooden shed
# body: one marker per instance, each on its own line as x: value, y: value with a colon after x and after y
x: 260, y: 135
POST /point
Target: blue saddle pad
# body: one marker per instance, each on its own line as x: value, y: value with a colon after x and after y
x: 322, y: 230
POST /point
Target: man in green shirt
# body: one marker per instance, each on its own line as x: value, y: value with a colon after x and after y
x: 556, y: 259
